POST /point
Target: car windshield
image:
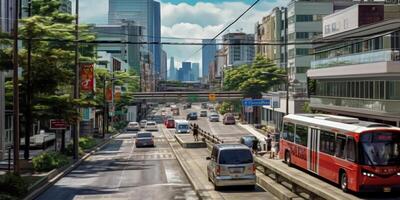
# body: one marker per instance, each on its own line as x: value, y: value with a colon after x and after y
x: 183, y: 126
x: 235, y: 156
x: 380, y: 148
x: 151, y: 124
x: 144, y: 135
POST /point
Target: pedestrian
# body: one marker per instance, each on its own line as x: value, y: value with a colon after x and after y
x: 196, y: 132
x: 268, y: 140
x: 255, y: 146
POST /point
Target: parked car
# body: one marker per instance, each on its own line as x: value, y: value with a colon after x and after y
x: 144, y: 139
x: 203, y: 113
x: 151, y: 126
x: 248, y: 140
x: 229, y: 119
x: 231, y: 164
x: 170, y: 123
x: 133, y: 126
x: 213, y: 117
x: 143, y: 123
x: 191, y: 116
x: 182, y: 126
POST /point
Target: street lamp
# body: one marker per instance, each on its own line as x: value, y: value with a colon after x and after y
x: 286, y: 78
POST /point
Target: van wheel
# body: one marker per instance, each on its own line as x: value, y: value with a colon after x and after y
x: 288, y: 159
x: 343, y: 182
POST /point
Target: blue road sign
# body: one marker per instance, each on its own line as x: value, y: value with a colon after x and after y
x: 256, y: 102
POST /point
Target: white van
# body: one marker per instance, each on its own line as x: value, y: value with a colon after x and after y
x: 182, y: 126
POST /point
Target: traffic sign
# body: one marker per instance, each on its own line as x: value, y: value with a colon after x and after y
x: 212, y: 97
x: 256, y: 102
x: 192, y: 98
x: 248, y: 109
x: 58, y: 124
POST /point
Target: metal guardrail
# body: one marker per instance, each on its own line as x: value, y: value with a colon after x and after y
x: 208, y: 136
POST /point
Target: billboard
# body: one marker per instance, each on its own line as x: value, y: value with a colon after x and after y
x: 87, y: 77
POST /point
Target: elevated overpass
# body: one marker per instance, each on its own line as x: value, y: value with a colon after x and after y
x: 187, y: 96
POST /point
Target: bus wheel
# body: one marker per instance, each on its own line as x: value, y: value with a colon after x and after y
x: 288, y: 159
x: 343, y: 181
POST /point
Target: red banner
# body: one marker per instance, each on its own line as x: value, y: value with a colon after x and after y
x: 87, y: 77
x: 109, y: 96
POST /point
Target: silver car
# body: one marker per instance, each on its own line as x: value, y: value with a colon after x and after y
x: 213, y: 117
x: 231, y: 164
x: 144, y: 139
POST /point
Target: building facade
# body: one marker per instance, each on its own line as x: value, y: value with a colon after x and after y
x: 195, y: 72
x: 173, y: 73
x: 207, y: 56
x: 359, y: 78
x: 186, y: 71
x: 145, y: 13
x: 129, y: 53
x: 164, y: 66
x: 239, y: 48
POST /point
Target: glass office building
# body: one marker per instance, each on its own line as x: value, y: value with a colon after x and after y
x: 145, y: 13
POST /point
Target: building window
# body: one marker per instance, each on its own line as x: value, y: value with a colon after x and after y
x: 302, y: 35
x: 304, y: 18
x: 301, y: 135
x: 302, y: 51
x: 288, y: 132
x: 327, y: 142
x: 340, y: 146
x: 351, y: 149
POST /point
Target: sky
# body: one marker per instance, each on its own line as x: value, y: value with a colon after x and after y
x: 191, y: 19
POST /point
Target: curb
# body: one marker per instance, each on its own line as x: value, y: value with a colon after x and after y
x: 191, y: 145
x: 64, y: 171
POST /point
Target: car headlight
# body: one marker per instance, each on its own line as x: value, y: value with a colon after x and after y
x: 398, y: 173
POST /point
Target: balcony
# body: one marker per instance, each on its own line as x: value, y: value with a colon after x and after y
x: 359, y: 58
x: 356, y: 104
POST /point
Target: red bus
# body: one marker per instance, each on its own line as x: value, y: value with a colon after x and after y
x: 357, y: 155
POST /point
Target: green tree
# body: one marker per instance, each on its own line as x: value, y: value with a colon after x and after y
x: 251, y: 79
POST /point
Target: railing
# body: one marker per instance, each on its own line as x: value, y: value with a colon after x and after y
x: 358, y: 58
x: 208, y: 136
x: 376, y: 105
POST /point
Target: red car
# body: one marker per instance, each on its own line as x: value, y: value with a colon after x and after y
x: 170, y: 123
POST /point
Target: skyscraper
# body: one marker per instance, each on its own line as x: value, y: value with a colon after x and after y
x: 172, y: 70
x: 238, y: 54
x: 164, y: 66
x: 145, y: 13
x: 208, y: 55
x: 186, y: 68
x: 195, y: 72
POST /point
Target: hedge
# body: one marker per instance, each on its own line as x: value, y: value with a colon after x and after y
x: 48, y: 161
x: 12, y: 186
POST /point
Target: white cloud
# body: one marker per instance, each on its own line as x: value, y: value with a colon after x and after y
x: 92, y: 11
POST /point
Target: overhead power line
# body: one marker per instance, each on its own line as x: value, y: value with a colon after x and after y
x: 226, y: 28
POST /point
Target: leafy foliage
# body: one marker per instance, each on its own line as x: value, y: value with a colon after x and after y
x: 87, y: 142
x: 48, y: 161
x: 251, y: 78
x: 12, y: 186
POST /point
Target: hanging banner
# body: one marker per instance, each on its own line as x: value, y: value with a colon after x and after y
x: 109, y: 95
x: 117, y: 93
x: 87, y: 77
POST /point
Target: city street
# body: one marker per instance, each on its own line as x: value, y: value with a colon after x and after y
x: 121, y: 171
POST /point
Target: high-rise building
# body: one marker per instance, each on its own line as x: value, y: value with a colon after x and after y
x: 145, y: 13
x: 361, y: 78
x: 208, y: 55
x: 195, y: 72
x: 186, y: 68
x: 173, y: 74
x: 164, y: 65
x: 129, y: 53
x: 65, y: 7
x: 239, y: 54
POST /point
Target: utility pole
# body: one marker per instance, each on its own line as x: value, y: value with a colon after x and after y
x: 104, y: 107
x: 16, y: 90
x: 29, y: 92
x: 286, y: 61
x: 77, y: 83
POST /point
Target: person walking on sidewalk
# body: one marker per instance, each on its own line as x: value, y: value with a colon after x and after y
x: 196, y: 132
x: 268, y: 140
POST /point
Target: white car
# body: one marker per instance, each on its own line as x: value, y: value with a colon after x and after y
x: 133, y: 126
x: 151, y: 126
x: 143, y: 123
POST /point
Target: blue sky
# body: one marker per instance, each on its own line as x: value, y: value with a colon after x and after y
x: 191, y: 19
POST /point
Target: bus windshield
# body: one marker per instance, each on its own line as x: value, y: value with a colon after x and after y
x: 380, y: 148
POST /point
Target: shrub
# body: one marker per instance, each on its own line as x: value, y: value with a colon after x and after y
x: 49, y: 160
x: 87, y: 142
x: 12, y: 185
x: 69, y: 151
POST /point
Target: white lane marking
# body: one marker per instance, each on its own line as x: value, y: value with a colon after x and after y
x: 123, y: 170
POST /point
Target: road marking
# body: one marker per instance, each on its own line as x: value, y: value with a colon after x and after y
x: 123, y: 170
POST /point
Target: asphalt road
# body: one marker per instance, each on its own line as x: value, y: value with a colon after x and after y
x: 121, y: 171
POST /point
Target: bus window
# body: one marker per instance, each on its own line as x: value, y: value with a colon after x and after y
x: 327, y: 144
x: 340, y: 146
x: 301, y: 135
x: 288, y: 132
x: 351, y: 149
